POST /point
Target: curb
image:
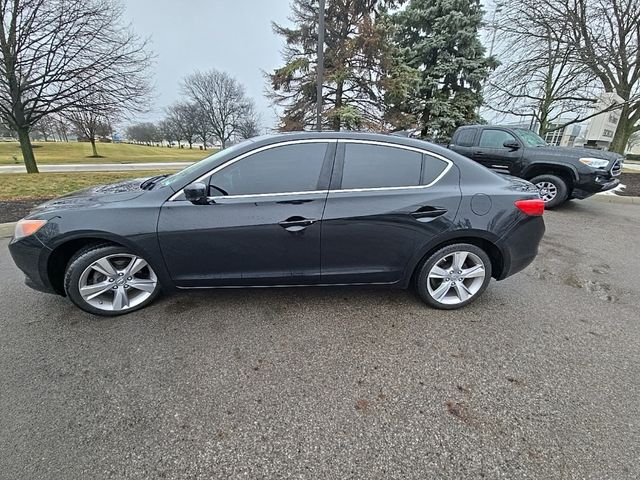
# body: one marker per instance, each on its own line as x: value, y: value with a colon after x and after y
x: 6, y: 229
x: 616, y: 199
x: 97, y: 167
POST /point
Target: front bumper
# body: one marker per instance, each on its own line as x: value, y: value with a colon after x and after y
x: 601, y: 184
x: 29, y: 255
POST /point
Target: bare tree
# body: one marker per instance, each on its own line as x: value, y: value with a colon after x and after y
x: 145, y: 132
x: 45, y: 127
x: 185, y: 116
x: 540, y: 76
x: 90, y: 125
x: 250, y: 126
x: 58, y: 54
x: 605, y: 36
x: 62, y: 128
x: 222, y: 99
x: 170, y: 131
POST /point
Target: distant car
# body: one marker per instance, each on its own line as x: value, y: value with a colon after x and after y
x: 561, y: 173
x: 284, y: 210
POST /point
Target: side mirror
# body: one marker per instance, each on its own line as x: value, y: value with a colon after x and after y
x: 196, y: 193
x: 511, y: 144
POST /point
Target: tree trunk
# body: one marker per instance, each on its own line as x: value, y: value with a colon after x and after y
x: 93, y: 147
x: 27, y: 150
x: 337, y: 121
x: 623, y: 132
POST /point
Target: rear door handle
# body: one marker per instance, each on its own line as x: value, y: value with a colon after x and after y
x: 478, y: 152
x: 428, y: 212
x: 296, y: 224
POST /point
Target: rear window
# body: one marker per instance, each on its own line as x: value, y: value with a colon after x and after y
x: 465, y: 137
x: 371, y: 166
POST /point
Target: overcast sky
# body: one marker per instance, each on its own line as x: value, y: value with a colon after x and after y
x: 230, y: 35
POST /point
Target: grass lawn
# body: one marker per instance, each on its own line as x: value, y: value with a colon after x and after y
x: 80, y: 152
x: 15, y: 186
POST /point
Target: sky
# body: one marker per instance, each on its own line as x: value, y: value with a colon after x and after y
x: 229, y: 35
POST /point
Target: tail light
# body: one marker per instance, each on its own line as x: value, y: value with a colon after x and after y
x: 533, y: 207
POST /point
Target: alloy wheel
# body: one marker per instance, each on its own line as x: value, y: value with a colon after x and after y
x: 117, y: 282
x: 456, y: 278
x: 548, y: 191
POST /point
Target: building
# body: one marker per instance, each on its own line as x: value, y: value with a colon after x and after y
x: 602, y: 127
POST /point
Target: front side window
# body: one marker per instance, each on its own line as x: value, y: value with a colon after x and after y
x: 288, y: 168
x: 495, y: 138
x: 373, y: 166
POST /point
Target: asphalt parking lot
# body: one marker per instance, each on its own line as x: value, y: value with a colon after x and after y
x: 540, y: 378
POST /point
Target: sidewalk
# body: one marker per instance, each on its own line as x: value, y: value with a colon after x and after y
x: 98, y: 167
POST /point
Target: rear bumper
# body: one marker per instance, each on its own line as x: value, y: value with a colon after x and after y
x: 520, y: 245
x: 29, y: 255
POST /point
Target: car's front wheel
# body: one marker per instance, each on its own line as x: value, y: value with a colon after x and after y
x: 110, y: 280
x: 454, y: 276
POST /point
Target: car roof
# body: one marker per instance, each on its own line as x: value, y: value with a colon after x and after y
x: 351, y: 135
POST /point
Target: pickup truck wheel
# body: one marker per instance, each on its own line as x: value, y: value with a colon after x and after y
x: 553, y: 190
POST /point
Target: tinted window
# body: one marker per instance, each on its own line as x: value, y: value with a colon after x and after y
x: 370, y: 166
x: 290, y: 168
x: 433, y: 167
x: 465, y: 137
x: 495, y: 138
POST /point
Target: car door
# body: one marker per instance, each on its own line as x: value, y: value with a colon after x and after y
x: 263, y: 224
x: 492, y: 153
x: 385, y: 202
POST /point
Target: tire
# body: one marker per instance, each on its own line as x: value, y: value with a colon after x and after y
x: 546, y: 183
x: 110, y: 280
x: 475, y: 262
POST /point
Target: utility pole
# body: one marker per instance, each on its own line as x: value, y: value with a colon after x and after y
x: 320, y: 66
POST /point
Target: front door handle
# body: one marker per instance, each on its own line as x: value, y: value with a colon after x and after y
x: 296, y: 224
x: 428, y: 212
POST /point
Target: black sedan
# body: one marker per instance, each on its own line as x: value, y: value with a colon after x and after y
x: 295, y: 209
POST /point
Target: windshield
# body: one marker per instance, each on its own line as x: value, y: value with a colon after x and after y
x: 177, y: 177
x: 530, y: 139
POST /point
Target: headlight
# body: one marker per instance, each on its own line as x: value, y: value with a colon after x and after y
x: 595, y: 162
x: 24, y: 228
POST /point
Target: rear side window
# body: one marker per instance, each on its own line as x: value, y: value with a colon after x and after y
x: 465, y: 137
x: 289, y: 168
x: 433, y: 168
x: 372, y: 166
x: 495, y: 138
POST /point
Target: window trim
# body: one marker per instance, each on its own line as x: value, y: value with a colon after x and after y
x: 337, y: 141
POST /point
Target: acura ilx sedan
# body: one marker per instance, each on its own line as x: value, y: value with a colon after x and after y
x: 288, y: 210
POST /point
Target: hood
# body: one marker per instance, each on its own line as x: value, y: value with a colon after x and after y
x: 576, y: 152
x: 94, y: 197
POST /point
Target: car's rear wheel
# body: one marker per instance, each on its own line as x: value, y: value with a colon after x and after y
x: 110, y: 280
x: 454, y: 276
x: 553, y: 190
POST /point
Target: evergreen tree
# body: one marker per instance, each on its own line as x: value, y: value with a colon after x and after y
x: 364, y: 73
x: 439, y: 39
